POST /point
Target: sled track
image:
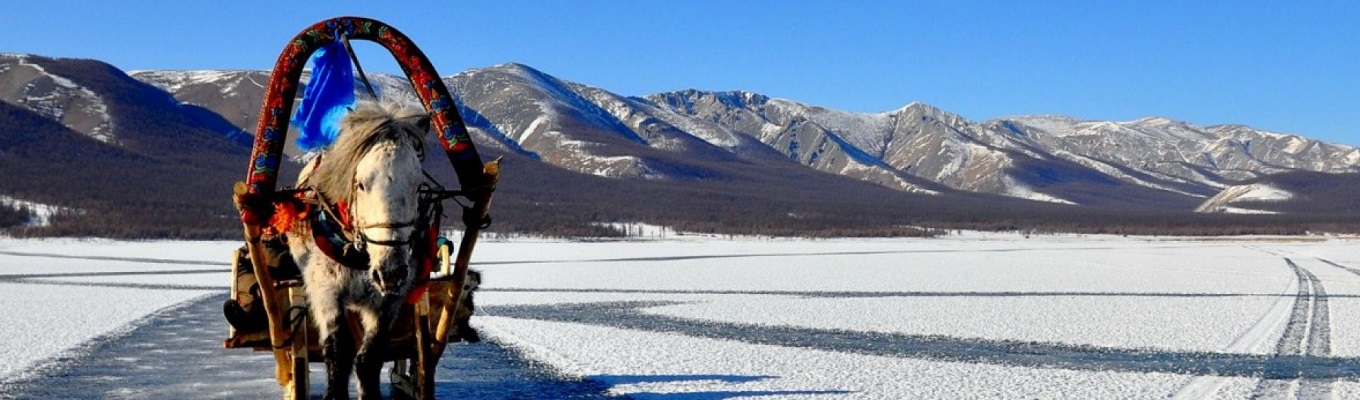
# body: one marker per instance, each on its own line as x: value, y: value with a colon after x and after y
x: 1308, y: 333
x: 140, y: 260
x: 795, y: 255
x: 1338, y: 265
x: 177, y: 354
x: 886, y: 294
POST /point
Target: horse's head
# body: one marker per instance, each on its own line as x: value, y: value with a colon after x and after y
x: 380, y: 148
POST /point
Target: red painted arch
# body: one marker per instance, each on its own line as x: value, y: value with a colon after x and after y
x: 277, y: 108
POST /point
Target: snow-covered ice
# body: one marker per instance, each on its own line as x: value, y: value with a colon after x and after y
x: 1174, y: 299
x: 44, y: 316
x: 976, y: 315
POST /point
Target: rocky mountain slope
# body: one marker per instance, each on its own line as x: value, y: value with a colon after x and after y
x: 1151, y: 162
x: 714, y: 161
x: 116, y: 154
x: 1290, y: 193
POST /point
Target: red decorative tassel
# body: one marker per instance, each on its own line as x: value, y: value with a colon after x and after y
x: 287, y: 212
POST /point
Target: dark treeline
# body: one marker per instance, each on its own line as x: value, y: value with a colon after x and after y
x: 1322, y: 193
x: 11, y: 216
x: 538, y: 199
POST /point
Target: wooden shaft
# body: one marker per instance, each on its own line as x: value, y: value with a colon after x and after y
x: 460, y: 267
x: 491, y: 173
x: 300, y: 383
x: 423, y: 373
x: 278, y: 333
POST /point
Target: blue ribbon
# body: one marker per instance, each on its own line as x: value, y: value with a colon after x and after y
x: 328, y: 97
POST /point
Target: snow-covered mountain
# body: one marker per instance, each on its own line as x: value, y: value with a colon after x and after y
x: 24, y: 82
x: 235, y: 95
x: 1214, y: 156
x: 1047, y: 158
x: 922, y: 142
x: 555, y: 122
x: 1151, y: 162
x: 1296, y: 192
x: 737, y: 120
x: 87, y: 96
x: 82, y: 135
x: 1223, y: 201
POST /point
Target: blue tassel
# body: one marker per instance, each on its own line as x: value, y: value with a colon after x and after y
x: 327, y: 98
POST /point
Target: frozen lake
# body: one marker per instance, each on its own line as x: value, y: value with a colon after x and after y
x: 972, y: 316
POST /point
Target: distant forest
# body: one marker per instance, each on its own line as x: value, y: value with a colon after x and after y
x: 11, y: 216
x: 535, y: 198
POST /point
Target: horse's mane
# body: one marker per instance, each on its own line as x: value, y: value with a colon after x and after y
x: 369, y: 124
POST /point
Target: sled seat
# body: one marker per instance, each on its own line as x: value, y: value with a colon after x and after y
x: 248, y: 325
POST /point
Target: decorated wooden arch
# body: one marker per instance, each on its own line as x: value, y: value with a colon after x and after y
x: 271, y: 132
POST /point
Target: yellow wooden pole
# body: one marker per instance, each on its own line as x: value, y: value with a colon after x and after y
x: 491, y: 174
x: 278, y: 334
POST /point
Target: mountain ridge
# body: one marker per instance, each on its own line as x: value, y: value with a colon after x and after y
x: 788, y: 163
x: 151, y: 166
x: 917, y: 147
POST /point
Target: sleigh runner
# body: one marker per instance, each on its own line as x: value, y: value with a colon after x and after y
x: 265, y: 278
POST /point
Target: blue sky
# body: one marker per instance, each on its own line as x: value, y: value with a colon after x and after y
x: 1284, y: 66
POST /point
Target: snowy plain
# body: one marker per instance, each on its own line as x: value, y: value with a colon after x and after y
x: 971, y: 315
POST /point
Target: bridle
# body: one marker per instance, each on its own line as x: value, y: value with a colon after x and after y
x: 357, y: 231
x: 364, y: 240
x: 342, y: 240
x: 346, y: 243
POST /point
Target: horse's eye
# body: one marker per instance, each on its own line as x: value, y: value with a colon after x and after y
x: 360, y: 186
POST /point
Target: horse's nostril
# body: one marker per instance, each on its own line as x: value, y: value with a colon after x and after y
x: 377, y: 277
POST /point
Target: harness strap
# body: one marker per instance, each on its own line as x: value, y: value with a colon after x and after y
x: 331, y: 239
x: 328, y: 235
x: 339, y: 239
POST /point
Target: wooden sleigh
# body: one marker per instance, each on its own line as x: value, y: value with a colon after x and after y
x: 423, y: 331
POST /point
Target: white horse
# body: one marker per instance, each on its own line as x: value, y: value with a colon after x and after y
x: 374, y: 170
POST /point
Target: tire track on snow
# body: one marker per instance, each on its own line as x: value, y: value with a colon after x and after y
x: 1308, y: 333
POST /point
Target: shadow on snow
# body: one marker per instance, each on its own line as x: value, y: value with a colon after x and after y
x: 627, y: 315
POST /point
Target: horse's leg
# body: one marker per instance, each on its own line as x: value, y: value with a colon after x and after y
x: 377, y: 325
x: 337, y: 343
x: 338, y: 351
